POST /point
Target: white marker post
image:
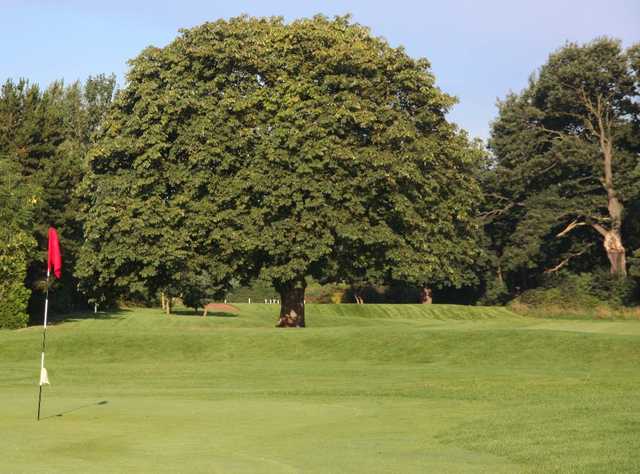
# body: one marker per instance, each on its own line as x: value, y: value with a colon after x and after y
x: 44, y: 378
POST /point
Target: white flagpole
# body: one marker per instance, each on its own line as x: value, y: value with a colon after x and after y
x: 44, y: 379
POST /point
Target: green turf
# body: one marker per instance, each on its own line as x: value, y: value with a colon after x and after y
x: 365, y: 388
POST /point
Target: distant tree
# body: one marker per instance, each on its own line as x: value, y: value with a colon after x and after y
x: 282, y: 151
x: 15, y: 250
x: 19, y: 200
x: 564, y: 183
x: 46, y: 134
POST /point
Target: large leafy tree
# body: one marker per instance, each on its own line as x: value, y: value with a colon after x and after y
x: 564, y: 187
x: 252, y: 147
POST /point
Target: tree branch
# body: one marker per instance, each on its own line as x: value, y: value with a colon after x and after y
x: 601, y: 230
x: 503, y: 210
x: 549, y: 130
x: 570, y: 227
x: 567, y: 260
x: 548, y: 168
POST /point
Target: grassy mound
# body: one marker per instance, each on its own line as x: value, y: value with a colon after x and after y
x: 365, y: 388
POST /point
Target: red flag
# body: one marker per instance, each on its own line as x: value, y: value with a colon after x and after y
x: 54, y: 259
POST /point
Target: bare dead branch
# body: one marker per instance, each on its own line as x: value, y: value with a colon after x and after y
x: 570, y: 227
x: 601, y: 230
x: 503, y: 210
x: 567, y: 260
x: 557, y: 133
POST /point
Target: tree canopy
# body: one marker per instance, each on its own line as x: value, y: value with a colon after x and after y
x: 19, y: 200
x: 44, y: 137
x: 257, y: 147
x: 563, y: 189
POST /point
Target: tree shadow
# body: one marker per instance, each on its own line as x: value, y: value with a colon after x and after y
x: 114, y: 313
x: 217, y: 314
x: 74, y: 316
x: 89, y: 405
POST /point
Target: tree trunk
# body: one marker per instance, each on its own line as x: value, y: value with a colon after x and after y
x: 616, y: 253
x: 612, y: 237
x: 292, y: 304
x: 426, y: 296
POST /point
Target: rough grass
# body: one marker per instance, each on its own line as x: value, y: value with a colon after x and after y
x: 557, y: 311
x: 365, y: 388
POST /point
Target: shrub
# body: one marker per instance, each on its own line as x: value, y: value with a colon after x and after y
x: 14, y: 296
x: 634, y: 264
x: 328, y: 293
x: 496, y: 292
x: 616, y: 290
x: 194, y: 297
x: 584, y: 290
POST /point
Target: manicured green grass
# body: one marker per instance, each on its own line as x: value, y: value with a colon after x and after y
x: 365, y: 388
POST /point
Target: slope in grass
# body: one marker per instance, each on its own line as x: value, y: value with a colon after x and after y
x: 365, y: 388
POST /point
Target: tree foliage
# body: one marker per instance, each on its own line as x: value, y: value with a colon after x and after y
x: 19, y: 200
x: 563, y: 189
x: 14, y: 295
x: 252, y: 147
x: 44, y: 135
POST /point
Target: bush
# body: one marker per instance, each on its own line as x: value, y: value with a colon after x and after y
x: 194, y: 297
x: 13, y: 305
x: 328, y: 293
x: 634, y: 264
x: 618, y: 291
x: 259, y: 290
x: 14, y: 296
x: 496, y: 292
x: 584, y: 290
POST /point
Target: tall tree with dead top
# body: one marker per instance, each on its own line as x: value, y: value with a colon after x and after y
x: 566, y: 152
x: 286, y: 151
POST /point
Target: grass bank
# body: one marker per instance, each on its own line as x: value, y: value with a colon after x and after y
x: 365, y: 388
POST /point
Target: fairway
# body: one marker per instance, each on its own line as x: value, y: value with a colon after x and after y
x: 363, y: 389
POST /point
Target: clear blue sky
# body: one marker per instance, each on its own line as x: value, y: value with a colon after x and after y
x: 479, y: 50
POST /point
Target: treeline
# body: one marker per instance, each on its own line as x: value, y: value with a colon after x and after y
x: 562, y: 185
x: 217, y: 166
x: 44, y: 138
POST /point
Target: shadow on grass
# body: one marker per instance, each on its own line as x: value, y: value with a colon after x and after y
x: 115, y: 313
x: 89, y: 405
x: 217, y: 314
x: 57, y: 318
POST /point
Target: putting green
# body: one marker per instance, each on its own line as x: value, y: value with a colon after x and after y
x: 365, y: 388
